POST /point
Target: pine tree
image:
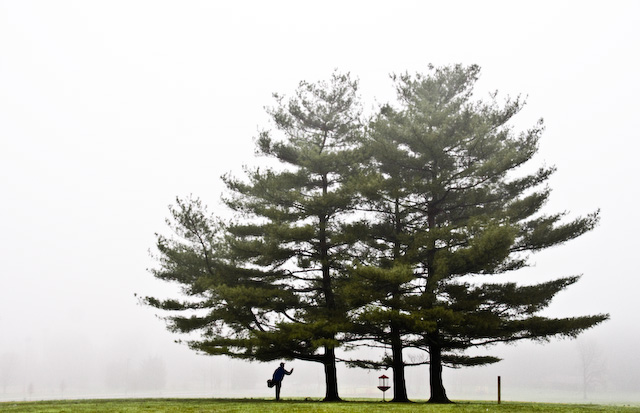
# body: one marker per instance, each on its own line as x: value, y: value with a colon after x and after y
x: 450, y: 206
x: 303, y: 215
x: 270, y: 279
x: 225, y: 302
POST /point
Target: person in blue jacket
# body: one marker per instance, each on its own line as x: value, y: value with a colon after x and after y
x: 278, y: 375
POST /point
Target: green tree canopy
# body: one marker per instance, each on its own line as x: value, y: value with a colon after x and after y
x: 449, y: 204
x: 377, y: 236
x: 271, y: 276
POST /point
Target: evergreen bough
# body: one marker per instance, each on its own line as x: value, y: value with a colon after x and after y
x: 376, y: 235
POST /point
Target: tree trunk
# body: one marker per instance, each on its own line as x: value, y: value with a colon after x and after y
x: 399, y: 385
x: 330, y: 376
x: 438, y: 394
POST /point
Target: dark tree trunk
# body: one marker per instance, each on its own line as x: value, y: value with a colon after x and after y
x: 399, y: 385
x: 438, y: 394
x: 331, y: 376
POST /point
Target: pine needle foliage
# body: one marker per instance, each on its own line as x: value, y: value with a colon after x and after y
x: 449, y: 206
x: 272, y: 275
x: 380, y: 234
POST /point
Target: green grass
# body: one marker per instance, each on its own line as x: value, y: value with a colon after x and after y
x: 293, y: 405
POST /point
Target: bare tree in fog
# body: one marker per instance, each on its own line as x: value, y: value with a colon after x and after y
x: 593, y: 365
x: 151, y: 375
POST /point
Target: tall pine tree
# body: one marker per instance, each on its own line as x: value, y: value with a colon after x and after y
x: 269, y: 281
x: 449, y: 206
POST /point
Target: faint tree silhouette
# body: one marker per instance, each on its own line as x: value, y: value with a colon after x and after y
x: 593, y: 366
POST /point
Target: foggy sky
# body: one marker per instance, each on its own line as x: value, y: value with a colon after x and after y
x: 109, y: 110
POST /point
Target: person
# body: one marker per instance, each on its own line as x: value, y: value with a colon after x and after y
x: 278, y: 375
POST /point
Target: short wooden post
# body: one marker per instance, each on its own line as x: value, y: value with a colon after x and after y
x: 499, y: 395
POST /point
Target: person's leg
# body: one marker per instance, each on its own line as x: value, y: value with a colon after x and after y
x: 278, y: 384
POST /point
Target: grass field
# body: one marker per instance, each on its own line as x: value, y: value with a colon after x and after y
x: 288, y: 406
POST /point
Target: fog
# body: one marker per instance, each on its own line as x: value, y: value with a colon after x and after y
x: 109, y: 110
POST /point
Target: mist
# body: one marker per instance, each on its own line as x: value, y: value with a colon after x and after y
x: 110, y: 110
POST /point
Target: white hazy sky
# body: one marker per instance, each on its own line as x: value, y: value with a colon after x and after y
x: 111, y: 109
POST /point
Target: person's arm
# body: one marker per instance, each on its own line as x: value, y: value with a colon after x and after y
x: 289, y: 372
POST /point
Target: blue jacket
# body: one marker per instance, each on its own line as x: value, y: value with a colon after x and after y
x: 278, y: 375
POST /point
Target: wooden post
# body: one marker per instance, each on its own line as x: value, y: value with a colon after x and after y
x: 499, y: 390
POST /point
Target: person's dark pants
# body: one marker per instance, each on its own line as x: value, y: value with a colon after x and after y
x: 278, y: 385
